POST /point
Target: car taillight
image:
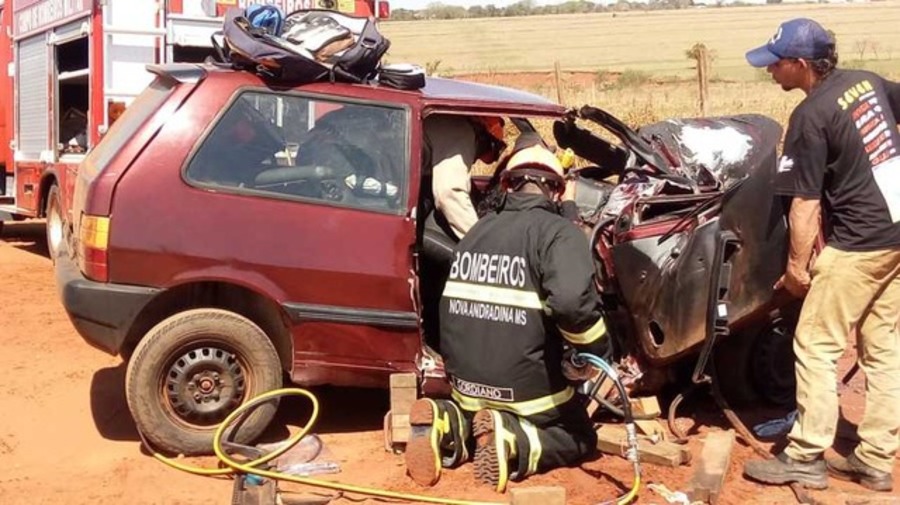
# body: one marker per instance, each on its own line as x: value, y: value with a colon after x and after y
x: 94, y: 242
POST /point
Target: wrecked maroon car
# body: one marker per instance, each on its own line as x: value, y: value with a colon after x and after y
x: 688, y: 244
x: 229, y: 232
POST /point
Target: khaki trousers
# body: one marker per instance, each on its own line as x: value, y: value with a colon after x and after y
x: 849, y: 289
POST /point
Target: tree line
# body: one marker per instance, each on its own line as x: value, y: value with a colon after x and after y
x: 439, y: 10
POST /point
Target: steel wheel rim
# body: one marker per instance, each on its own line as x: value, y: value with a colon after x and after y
x: 202, y: 383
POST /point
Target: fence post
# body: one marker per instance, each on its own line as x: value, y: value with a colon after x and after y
x: 702, y: 56
x: 559, y: 93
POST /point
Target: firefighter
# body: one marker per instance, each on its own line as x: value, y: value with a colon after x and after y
x: 520, y: 289
x: 452, y: 144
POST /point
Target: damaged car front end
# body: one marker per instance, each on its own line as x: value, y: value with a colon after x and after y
x: 689, y: 239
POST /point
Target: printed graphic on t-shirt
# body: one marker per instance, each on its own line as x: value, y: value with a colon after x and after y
x: 489, y: 287
x: 785, y: 164
x: 878, y: 138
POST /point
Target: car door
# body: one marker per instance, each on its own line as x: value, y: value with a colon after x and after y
x: 324, y: 222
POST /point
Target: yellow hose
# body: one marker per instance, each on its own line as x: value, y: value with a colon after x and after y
x: 249, y: 467
x: 632, y: 494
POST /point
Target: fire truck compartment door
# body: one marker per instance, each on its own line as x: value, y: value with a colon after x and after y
x: 32, y: 88
x: 192, y: 31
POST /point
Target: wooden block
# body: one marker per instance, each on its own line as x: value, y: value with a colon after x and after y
x: 400, y: 435
x: 612, y: 439
x: 538, y: 495
x: 404, y: 393
x: 646, y: 405
x: 399, y: 421
x: 651, y: 428
x: 709, y: 476
x: 304, y: 499
x: 404, y: 380
x: 605, y: 387
x: 262, y: 494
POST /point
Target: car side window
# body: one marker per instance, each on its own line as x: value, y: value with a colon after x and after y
x: 292, y: 146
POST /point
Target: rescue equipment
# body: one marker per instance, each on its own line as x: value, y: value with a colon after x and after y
x: 257, y: 467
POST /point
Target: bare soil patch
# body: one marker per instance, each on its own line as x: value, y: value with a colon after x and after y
x: 66, y: 435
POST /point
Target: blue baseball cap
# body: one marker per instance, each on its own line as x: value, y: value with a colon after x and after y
x: 797, y: 38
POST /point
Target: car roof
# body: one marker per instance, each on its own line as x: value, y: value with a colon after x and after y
x: 440, y: 90
x: 438, y: 93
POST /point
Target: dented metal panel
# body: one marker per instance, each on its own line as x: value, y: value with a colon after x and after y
x: 685, y: 185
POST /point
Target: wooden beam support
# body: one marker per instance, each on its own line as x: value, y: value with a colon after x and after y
x: 711, y: 469
x: 404, y: 392
x: 538, y: 495
x: 612, y: 439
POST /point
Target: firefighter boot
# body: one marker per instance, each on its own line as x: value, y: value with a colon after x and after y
x: 438, y: 434
x: 496, y: 450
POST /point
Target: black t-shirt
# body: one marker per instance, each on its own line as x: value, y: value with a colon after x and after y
x: 842, y: 146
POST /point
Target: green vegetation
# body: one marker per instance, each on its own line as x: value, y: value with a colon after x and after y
x: 632, y: 78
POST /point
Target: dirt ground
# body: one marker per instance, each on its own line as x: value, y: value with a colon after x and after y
x: 66, y: 435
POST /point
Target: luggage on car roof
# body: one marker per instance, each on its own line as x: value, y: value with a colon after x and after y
x: 304, y: 46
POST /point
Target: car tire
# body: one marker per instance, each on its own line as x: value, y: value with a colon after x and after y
x: 193, y: 369
x: 733, y: 357
x: 758, y: 364
x: 772, y: 364
x: 55, y: 222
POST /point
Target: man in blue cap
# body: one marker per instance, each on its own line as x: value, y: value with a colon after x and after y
x: 841, y: 156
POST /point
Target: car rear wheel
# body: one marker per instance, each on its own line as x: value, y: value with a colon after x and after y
x: 772, y: 364
x: 55, y: 224
x: 758, y: 364
x: 193, y: 369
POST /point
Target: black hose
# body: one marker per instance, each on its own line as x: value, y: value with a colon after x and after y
x: 632, y: 455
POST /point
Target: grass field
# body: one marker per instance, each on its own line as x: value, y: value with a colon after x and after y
x: 653, y: 42
x: 634, y: 65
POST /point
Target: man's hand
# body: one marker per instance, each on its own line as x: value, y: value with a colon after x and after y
x: 804, y: 220
x: 795, y: 280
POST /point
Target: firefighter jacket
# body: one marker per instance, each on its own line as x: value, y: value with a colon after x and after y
x: 521, y: 281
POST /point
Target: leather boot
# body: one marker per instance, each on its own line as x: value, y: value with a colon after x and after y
x: 785, y: 470
x: 852, y: 469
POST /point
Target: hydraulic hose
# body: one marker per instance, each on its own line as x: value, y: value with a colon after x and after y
x: 250, y: 467
x: 630, y: 430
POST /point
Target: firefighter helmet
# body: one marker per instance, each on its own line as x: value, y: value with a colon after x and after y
x: 534, y: 164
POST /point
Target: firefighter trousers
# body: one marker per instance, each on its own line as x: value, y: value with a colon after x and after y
x: 544, y: 442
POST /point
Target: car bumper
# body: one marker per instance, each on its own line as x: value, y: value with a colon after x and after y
x: 102, y: 312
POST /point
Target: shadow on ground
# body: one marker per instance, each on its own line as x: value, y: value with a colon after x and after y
x: 341, y: 410
x: 29, y: 236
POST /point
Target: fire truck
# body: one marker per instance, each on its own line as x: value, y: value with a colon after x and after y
x: 72, y: 66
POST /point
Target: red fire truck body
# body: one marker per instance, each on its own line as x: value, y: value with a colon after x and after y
x: 71, y: 68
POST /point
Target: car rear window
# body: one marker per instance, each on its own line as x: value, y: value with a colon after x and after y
x: 128, y: 123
